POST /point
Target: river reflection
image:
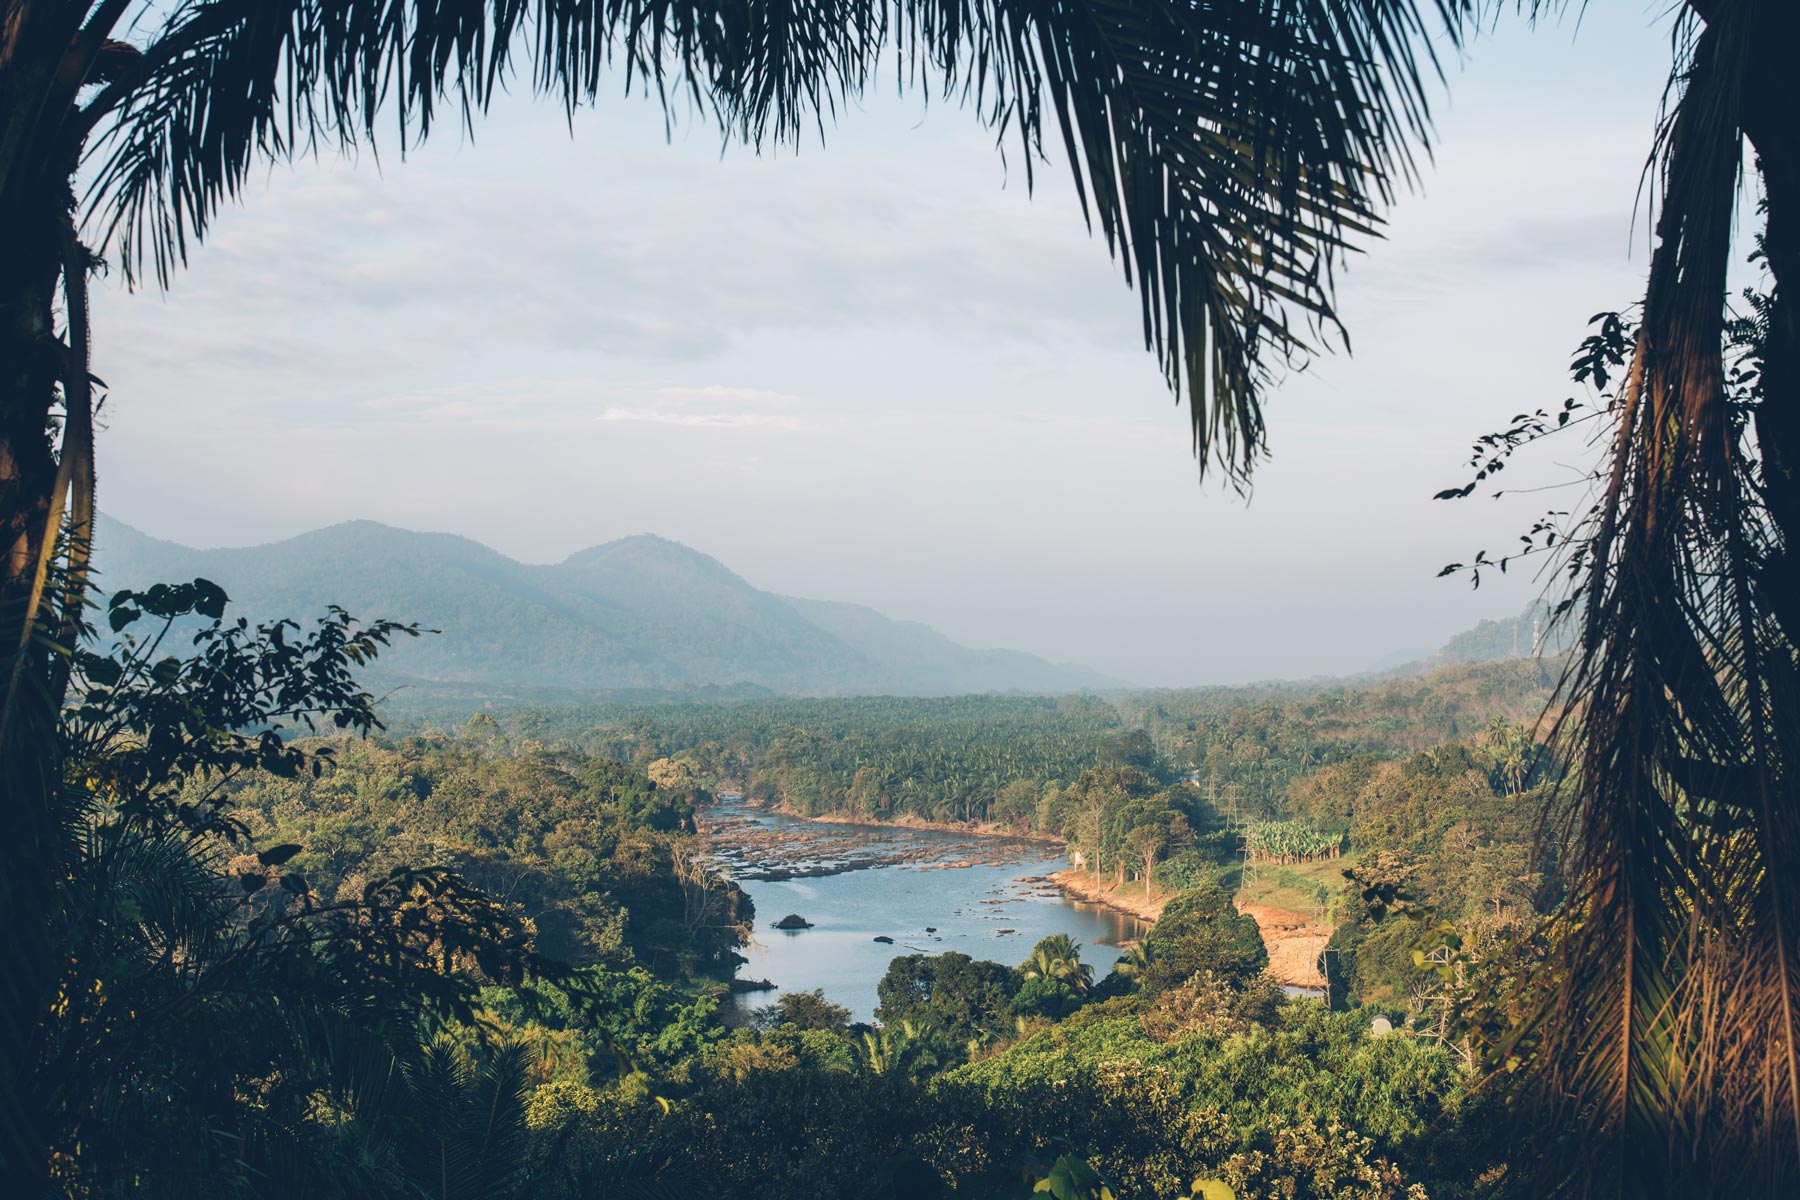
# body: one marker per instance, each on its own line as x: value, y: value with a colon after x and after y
x: 996, y: 908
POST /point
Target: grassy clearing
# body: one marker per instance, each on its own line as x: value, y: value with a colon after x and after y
x: 1300, y: 887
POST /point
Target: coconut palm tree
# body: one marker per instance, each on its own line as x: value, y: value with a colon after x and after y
x: 903, y: 1049
x: 1658, y: 1039
x: 1513, y: 752
x: 1058, y: 957
x: 1135, y: 964
x: 1227, y: 151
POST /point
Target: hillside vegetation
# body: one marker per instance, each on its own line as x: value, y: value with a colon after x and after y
x: 989, y: 758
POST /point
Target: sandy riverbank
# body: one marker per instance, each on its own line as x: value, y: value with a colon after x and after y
x: 1294, y: 944
x: 1079, y: 885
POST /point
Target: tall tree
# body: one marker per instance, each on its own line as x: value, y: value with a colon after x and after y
x: 1666, y: 1020
x: 1655, y: 1039
x: 1058, y: 958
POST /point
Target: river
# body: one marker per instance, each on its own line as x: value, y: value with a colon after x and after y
x: 928, y: 891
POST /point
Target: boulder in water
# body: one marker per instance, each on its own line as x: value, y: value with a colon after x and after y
x: 793, y: 921
x: 884, y: 939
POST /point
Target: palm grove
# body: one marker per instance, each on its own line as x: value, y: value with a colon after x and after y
x: 1228, y: 153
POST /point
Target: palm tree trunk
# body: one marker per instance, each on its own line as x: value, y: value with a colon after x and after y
x: 31, y: 362
x: 1774, y: 98
x: 30, y: 365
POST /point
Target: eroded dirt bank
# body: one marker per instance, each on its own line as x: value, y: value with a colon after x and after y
x: 1294, y: 942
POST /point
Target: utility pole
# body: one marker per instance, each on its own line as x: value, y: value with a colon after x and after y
x: 1247, y: 869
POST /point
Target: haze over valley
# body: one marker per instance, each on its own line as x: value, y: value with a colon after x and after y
x: 640, y: 612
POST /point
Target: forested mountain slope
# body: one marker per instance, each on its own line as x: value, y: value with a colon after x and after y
x: 640, y: 612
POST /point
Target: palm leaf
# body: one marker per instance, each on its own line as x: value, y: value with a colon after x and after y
x: 1229, y: 153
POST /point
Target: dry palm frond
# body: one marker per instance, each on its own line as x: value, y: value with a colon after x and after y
x: 1664, y: 1032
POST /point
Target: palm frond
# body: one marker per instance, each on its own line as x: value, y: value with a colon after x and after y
x: 1229, y: 153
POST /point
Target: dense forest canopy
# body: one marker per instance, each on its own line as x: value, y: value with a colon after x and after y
x: 989, y: 758
x: 600, y: 859
x: 1430, y: 784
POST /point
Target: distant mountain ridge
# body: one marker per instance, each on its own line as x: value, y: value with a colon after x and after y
x: 639, y: 612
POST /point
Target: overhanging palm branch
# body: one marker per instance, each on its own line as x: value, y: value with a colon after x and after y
x: 1228, y: 152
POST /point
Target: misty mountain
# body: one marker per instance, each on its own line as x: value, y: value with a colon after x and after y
x: 915, y: 653
x: 640, y: 612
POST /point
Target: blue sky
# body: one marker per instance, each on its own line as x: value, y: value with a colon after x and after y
x: 881, y: 371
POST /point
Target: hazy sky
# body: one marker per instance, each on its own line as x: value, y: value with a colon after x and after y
x: 881, y: 371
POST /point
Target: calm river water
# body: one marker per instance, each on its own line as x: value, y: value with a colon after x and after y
x: 989, y: 910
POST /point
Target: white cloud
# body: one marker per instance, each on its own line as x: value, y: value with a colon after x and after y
x: 705, y: 420
x: 719, y: 391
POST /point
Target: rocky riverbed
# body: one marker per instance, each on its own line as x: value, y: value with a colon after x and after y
x: 753, y: 845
